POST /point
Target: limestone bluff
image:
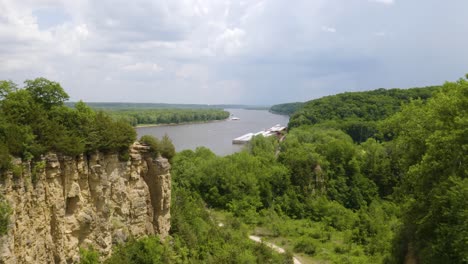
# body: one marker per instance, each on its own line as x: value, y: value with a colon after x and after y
x: 89, y: 200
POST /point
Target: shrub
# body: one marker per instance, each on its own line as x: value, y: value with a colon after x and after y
x: 167, y: 148
x: 37, y: 168
x: 5, y: 160
x: 5, y: 211
x: 89, y: 256
x: 164, y: 147
x: 152, y: 142
x: 147, y: 250
x: 306, y: 245
x: 340, y: 249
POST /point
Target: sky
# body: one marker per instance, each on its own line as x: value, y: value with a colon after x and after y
x: 225, y: 51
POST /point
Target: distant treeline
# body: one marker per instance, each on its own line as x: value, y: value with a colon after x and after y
x: 286, y: 109
x: 356, y: 113
x: 135, y: 106
x: 166, y: 116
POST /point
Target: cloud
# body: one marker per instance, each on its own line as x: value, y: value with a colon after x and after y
x: 328, y: 29
x: 380, y: 34
x: 143, y: 67
x: 385, y: 2
x: 230, y: 41
x: 211, y: 51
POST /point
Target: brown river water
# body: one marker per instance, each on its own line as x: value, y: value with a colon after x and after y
x: 218, y: 135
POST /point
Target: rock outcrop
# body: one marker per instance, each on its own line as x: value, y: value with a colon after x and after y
x: 61, y: 204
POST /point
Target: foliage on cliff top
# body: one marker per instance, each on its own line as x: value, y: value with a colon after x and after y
x: 35, y: 120
x: 163, y: 147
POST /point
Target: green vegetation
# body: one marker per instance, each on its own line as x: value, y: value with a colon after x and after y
x: 163, y: 147
x: 5, y: 212
x: 357, y: 113
x: 280, y: 194
x: 432, y: 140
x: 166, y: 116
x: 89, y: 256
x: 35, y: 120
x: 196, y: 238
x: 369, y: 177
x: 286, y: 109
x: 159, y: 113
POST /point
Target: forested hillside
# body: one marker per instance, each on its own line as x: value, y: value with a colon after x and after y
x: 357, y: 112
x: 286, y: 109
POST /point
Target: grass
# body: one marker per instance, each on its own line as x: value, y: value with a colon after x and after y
x: 310, y: 242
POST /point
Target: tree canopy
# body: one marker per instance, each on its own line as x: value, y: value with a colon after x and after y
x: 356, y: 113
x: 35, y: 120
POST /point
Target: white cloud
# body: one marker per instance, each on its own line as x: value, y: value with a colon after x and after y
x: 328, y: 29
x: 385, y: 2
x: 193, y: 72
x: 231, y: 41
x: 380, y: 34
x: 143, y: 67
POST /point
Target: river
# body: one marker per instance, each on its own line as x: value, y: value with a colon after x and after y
x: 218, y: 135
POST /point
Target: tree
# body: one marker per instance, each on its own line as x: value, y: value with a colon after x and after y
x: 376, y: 164
x: 264, y: 147
x: 45, y: 92
x: 166, y: 147
x: 7, y: 87
x: 303, y: 161
x: 435, y: 186
x: 5, y: 160
x: 153, y: 144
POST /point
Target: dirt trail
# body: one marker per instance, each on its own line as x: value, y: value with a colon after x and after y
x: 272, y: 246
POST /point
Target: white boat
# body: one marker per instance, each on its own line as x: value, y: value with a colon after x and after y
x: 235, y: 118
x: 244, y: 139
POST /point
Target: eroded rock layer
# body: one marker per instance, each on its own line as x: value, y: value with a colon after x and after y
x: 61, y: 204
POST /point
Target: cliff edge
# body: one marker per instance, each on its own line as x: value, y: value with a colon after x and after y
x: 61, y: 204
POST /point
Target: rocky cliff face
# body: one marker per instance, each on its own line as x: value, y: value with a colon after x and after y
x: 63, y: 204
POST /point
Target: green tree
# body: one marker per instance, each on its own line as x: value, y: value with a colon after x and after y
x: 148, y: 250
x: 5, y: 160
x: 304, y: 163
x: 45, y: 92
x: 7, y: 87
x: 166, y: 147
x: 152, y: 142
x: 435, y: 188
x: 376, y: 164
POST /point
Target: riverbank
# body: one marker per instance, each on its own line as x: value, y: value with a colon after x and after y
x: 182, y: 123
x: 216, y: 135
